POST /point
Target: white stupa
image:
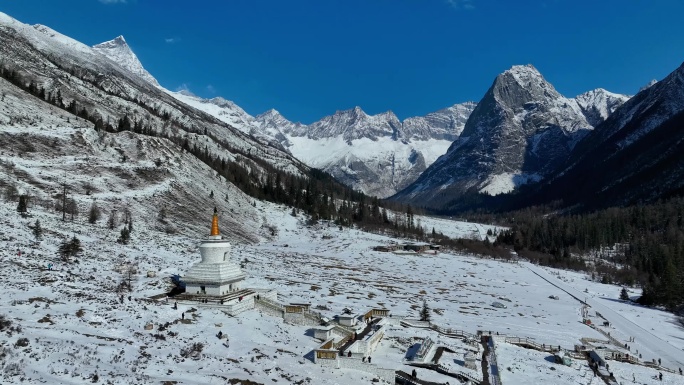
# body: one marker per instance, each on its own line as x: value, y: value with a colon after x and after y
x: 215, y: 275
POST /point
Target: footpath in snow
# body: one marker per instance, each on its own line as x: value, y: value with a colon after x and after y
x: 648, y: 344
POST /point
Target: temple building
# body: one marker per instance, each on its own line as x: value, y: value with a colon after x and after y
x: 216, y: 275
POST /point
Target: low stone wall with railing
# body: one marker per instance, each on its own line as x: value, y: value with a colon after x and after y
x: 270, y: 307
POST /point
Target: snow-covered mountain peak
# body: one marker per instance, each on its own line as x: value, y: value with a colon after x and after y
x: 271, y: 113
x: 356, y: 113
x: 649, y: 85
x: 273, y: 123
x: 601, y: 93
x: 524, y: 74
x: 355, y: 124
x: 118, y: 41
x: 598, y: 104
x: 186, y: 92
x: 221, y: 102
x: 220, y: 108
x: 274, y: 119
x: 389, y: 114
x: 118, y: 51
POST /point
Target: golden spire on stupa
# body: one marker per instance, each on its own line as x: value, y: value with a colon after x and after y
x: 214, y: 224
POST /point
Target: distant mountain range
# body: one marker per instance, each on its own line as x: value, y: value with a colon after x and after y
x: 523, y: 143
x: 376, y: 154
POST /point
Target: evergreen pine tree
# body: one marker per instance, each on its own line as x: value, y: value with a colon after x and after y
x: 162, y: 215
x: 37, y: 230
x: 22, y: 207
x: 624, y: 295
x: 425, y: 312
x: 112, y: 222
x: 94, y: 214
x: 125, y: 236
x: 70, y: 248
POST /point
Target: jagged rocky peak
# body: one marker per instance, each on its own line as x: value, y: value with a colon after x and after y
x: 221, y: 102
x: 187, y: 92
x: 272, y: 113
x: 598, y: 104
x: 446, y: 123
x: 118, y: 41
x: 522, y: 84
x: 355, y: 124
x: 273, y: 121
x: 520, y: 131
x: 524, y: 74
x: 649, y: 85
x: 118, y: 51
x: 272, y: 116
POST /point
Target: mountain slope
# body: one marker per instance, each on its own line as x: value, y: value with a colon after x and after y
x: 520, y: 131
x: 230, y: 113
x: 634, y: 156
x: 70, y: 110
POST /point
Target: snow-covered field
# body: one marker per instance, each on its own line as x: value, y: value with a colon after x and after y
x: 77, y: 327
x: 657, y: 334
x: 520, y: 366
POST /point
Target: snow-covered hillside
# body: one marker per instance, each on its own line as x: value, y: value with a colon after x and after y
x: 79, y: 329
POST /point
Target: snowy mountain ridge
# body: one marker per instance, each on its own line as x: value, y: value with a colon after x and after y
x: 598, y: 104
x: 377, y: 154
x: 639, y: 148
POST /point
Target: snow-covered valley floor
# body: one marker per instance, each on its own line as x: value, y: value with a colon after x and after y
x: 78, y: 331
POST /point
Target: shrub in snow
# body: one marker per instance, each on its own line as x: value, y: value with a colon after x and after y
x: 193, y: 351
x: 4, y: 323
x: 70, y: 248
x: 624, y: 295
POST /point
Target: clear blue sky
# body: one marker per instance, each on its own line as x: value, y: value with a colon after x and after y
x: 309, y: 58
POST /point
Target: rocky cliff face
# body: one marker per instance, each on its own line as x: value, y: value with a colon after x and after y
x: 444, y: 124
x: 520, y: 131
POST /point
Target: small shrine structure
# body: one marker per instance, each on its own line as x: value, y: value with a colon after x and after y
x: 216, y: 275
